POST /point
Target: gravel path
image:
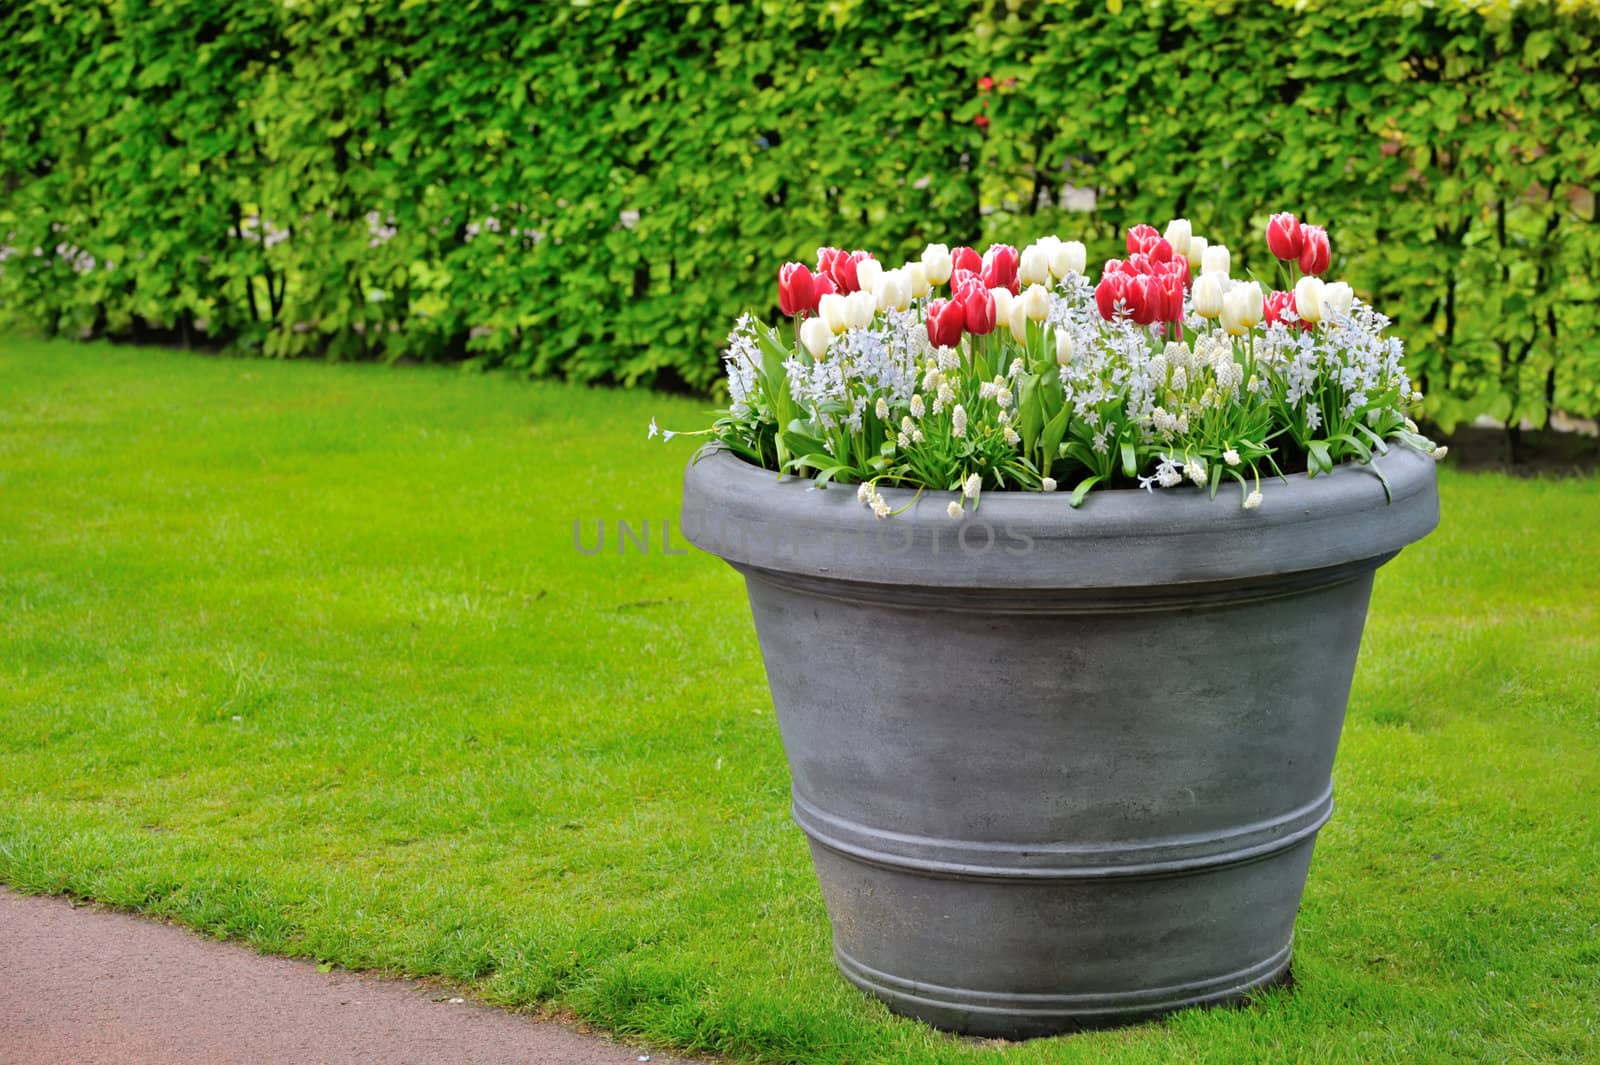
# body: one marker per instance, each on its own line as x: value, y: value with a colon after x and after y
x: 89, y: 987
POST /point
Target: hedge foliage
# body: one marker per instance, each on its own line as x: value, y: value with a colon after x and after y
x: 596, y: 189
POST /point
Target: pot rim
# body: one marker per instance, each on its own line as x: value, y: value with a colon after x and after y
x: 1118, y: 539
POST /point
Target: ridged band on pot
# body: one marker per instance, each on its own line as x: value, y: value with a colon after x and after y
x: 1060, y: 767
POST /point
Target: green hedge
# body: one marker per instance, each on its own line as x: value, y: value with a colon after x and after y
x: 595, y: 189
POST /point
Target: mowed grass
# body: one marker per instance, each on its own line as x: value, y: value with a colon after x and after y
x: 305, y: 655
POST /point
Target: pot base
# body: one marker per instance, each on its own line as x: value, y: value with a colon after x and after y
x: 991, y: 1016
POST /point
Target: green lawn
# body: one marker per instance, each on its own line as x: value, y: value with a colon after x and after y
x: 304, y: 654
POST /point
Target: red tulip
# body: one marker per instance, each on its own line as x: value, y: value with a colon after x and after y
x: 1138, y: 235
x: 1277, y: 303
x: 964, y: 258
x: 825, y: 258
x: 1000, y: 267
x: 1283, y: 236
x: 824, y: 286
x: 1158, y: 249
x: 1143, y: 295
x: 1136, y: 264
x: 843, y: 270
x: 977, y: 306
x: 945, y: 318
x: 1314, y: 251
x: 1170, y: 282
x: 797, y: 289
x: 1110, y: 291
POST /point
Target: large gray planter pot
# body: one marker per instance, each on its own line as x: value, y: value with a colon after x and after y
x: 1060, y: 768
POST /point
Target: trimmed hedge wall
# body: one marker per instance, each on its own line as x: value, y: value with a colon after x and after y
x: 596, y: 189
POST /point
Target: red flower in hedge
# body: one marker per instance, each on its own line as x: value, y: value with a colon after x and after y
x: 797, y: 289
x: 1138, y: 235
x: 1283, y: 236
x: 944, y: 321
x: 985, y: 83
x: 1315, y: 254
x: 1000, y: 267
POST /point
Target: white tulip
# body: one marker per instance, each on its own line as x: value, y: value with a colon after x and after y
x: 894, y: 291
x: 917, y: 274
x: 1253, y: 302
x: 1308, y: 299
x: 1035, y: 301
x: 860, y: 307
x: 1215, y: 260
x: 1069, y: 258
x: 936, y: 259
x: 1336, y: 299
x: 1242, y: 308
x: 868, y: 273
x: 1003, y: 299
x: 1063, y: 347
x: 833, y: 310
x: 1018, y: 322
x: 1049, y: 244
x: 1197, y: 252
x: 1033, y: 268
x: 815, y: 336
x: 1208, y: 295
x: 1178, y: 235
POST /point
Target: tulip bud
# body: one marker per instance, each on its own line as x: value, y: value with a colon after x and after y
x: 860, y: 309
x: 815, y: 336
x: 1049, y: 244
x: 1208, y: 295
x: 845, y: 268
x: 1336, y: 300
x: 1215, y: 260
x: 1139, y: 235
x: 1314, y: 251
x: 1178, y: 235
x: 944, y: 321
x: 1018, y: 322
x: 1034, y: 266
x: 936, y: 260
x: 978, y: 308
x: 1109, y: 293
x: 1254, y: 305
x: 999, y: 267
x: 797, y: 289
x: 1003, y: 299
x: 1070, y: 257
x: 893, y: 291
x: 1197, y: 252
x: 917, y: 275
x: 1035, y: 300
x: 1279, y: 305
x: 1063, y: 347
x: 868, y: 273
x: 1308, y: 299
x: 1283, y: 236
x: 834, y: 310
x: 1241, y: 307
x: 964, y: 258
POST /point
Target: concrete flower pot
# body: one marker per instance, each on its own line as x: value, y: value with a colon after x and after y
x: 1060, y: 768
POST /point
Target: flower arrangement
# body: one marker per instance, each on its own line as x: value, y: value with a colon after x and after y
x: 1014, y: 370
